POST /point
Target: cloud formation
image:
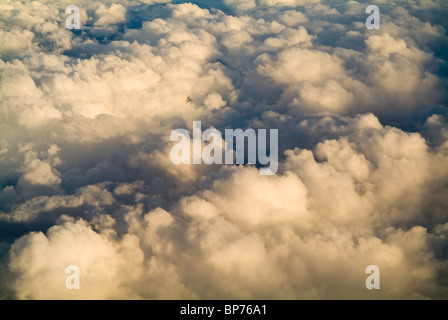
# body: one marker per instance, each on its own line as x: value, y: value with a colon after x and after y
x: 85, y: 171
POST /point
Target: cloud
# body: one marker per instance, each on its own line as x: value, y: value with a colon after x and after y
x: 100, y: 264
x: 95, y: 195
x: 116, y: 13
x: 13, y: 42
x: 85, y: 166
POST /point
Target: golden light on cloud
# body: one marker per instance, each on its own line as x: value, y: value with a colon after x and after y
x: 354, y: 119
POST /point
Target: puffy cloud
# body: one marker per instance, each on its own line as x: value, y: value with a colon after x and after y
x: 13, y: 42
x: 241, y: 4
x: 37, y: 255
x: 90, y: 195
x: 114, y: 14
x: 36, y: 171
x: 85, y: 165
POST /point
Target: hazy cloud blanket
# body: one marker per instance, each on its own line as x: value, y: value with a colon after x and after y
x: 85, y: 171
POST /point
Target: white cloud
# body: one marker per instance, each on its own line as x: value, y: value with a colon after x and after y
x: 84, y: 148
x: 113, y: 14
x: 94, y: 195
x: 14, y: 42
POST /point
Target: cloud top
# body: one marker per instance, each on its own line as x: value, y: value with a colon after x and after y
x: 85, y: 171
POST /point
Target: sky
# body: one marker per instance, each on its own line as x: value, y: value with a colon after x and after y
x: 86, y: 177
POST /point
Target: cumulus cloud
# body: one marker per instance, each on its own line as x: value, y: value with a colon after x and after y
x: 85, y: 171
x: 115, y: 13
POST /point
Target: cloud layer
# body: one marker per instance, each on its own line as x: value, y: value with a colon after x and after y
x: 85, y: 171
